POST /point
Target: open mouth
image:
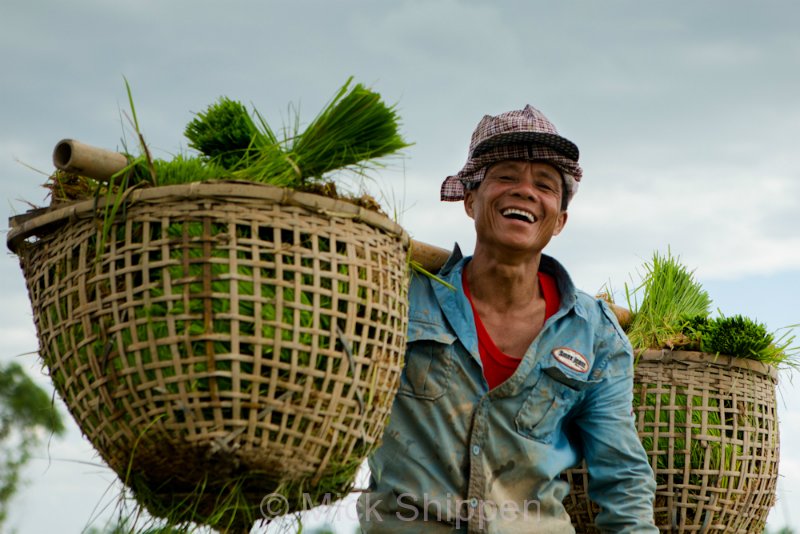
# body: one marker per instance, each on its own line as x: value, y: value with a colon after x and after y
x: 520, y: 215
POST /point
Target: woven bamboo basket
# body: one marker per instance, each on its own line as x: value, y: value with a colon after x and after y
x: 225, y: 332
x: 719, y: 410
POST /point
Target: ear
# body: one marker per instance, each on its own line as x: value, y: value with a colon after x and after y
x: 469, y: 201
x: 560, y: 222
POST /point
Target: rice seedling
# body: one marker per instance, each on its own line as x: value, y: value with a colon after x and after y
x: 183, y: 169
x: 230, y: 505
x: 670, y: 293
x: 739, y: 336
x: 354, y: 130
x: 708, y: 429
x: 226, y: 134
x: 418, y: 268
x: 674, y: 313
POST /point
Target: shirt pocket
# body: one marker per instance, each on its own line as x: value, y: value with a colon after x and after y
x: 428, y: 361
x: 548, y: 403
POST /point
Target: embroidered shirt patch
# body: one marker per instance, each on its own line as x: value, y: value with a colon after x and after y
x: 572, y: 359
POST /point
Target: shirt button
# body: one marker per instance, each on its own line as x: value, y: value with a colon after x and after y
x: 473, y: 502
x: 476, y: 450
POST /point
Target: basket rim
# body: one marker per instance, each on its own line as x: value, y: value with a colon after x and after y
x: 706, y: 358
x: 43, y: 220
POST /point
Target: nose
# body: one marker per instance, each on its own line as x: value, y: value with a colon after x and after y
x: 526, y: 189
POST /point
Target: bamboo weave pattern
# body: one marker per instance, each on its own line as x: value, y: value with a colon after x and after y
x: 223, y: 335
x: 710, y: 428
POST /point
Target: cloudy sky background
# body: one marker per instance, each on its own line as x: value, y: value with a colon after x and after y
x: 686, y: 113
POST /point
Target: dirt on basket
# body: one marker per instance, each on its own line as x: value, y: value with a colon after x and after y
x: 65, y: 187
x: 328, y: 189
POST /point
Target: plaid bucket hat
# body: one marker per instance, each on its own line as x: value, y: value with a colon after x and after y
x: 524, y: 134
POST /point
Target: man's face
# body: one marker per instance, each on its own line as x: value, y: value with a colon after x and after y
x: 517, y: 206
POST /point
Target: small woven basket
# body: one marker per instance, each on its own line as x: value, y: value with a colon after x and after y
x: 710, y: 428
x: 226, y: 333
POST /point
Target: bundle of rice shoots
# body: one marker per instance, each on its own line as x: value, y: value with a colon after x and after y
x: 226, y: 134
x: 670, y: 293
x: 355, y: 128
x: 738, y: 336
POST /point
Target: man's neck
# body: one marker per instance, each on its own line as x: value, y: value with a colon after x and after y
x: 501, y: 284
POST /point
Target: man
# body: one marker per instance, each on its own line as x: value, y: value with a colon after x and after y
x: 515, y: 375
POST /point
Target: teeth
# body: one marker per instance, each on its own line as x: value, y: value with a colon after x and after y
x: 523, y: 214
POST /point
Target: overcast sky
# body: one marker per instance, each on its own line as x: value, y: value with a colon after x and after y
x: 686, y: 113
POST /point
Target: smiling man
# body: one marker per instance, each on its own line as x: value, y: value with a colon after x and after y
x: 515, y: 375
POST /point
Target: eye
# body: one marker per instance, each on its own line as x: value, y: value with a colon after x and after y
x: 546, y: 186
x: 502, y: 178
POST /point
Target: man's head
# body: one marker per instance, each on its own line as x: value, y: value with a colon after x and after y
x: 525, y: 135
x: 517, y: 206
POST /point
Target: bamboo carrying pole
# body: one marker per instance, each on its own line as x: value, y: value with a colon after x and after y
x: 100, y: 164
x: 96, y: 163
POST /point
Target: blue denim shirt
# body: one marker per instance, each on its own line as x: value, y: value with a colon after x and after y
x: 457, y: 457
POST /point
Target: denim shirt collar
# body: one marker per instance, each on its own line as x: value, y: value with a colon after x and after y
x: 457, y: 309
x: 451, y: 273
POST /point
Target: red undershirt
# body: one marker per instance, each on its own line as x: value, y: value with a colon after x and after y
x: 497, y: 365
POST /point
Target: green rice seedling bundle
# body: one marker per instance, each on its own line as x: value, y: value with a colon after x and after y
x: 221, y: 340
x: 697, y: 431
x: 669, y: 293
x: 741, y: 337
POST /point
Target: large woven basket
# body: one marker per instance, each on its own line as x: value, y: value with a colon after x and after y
x: 722, y: 411
x: 226, y: 333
